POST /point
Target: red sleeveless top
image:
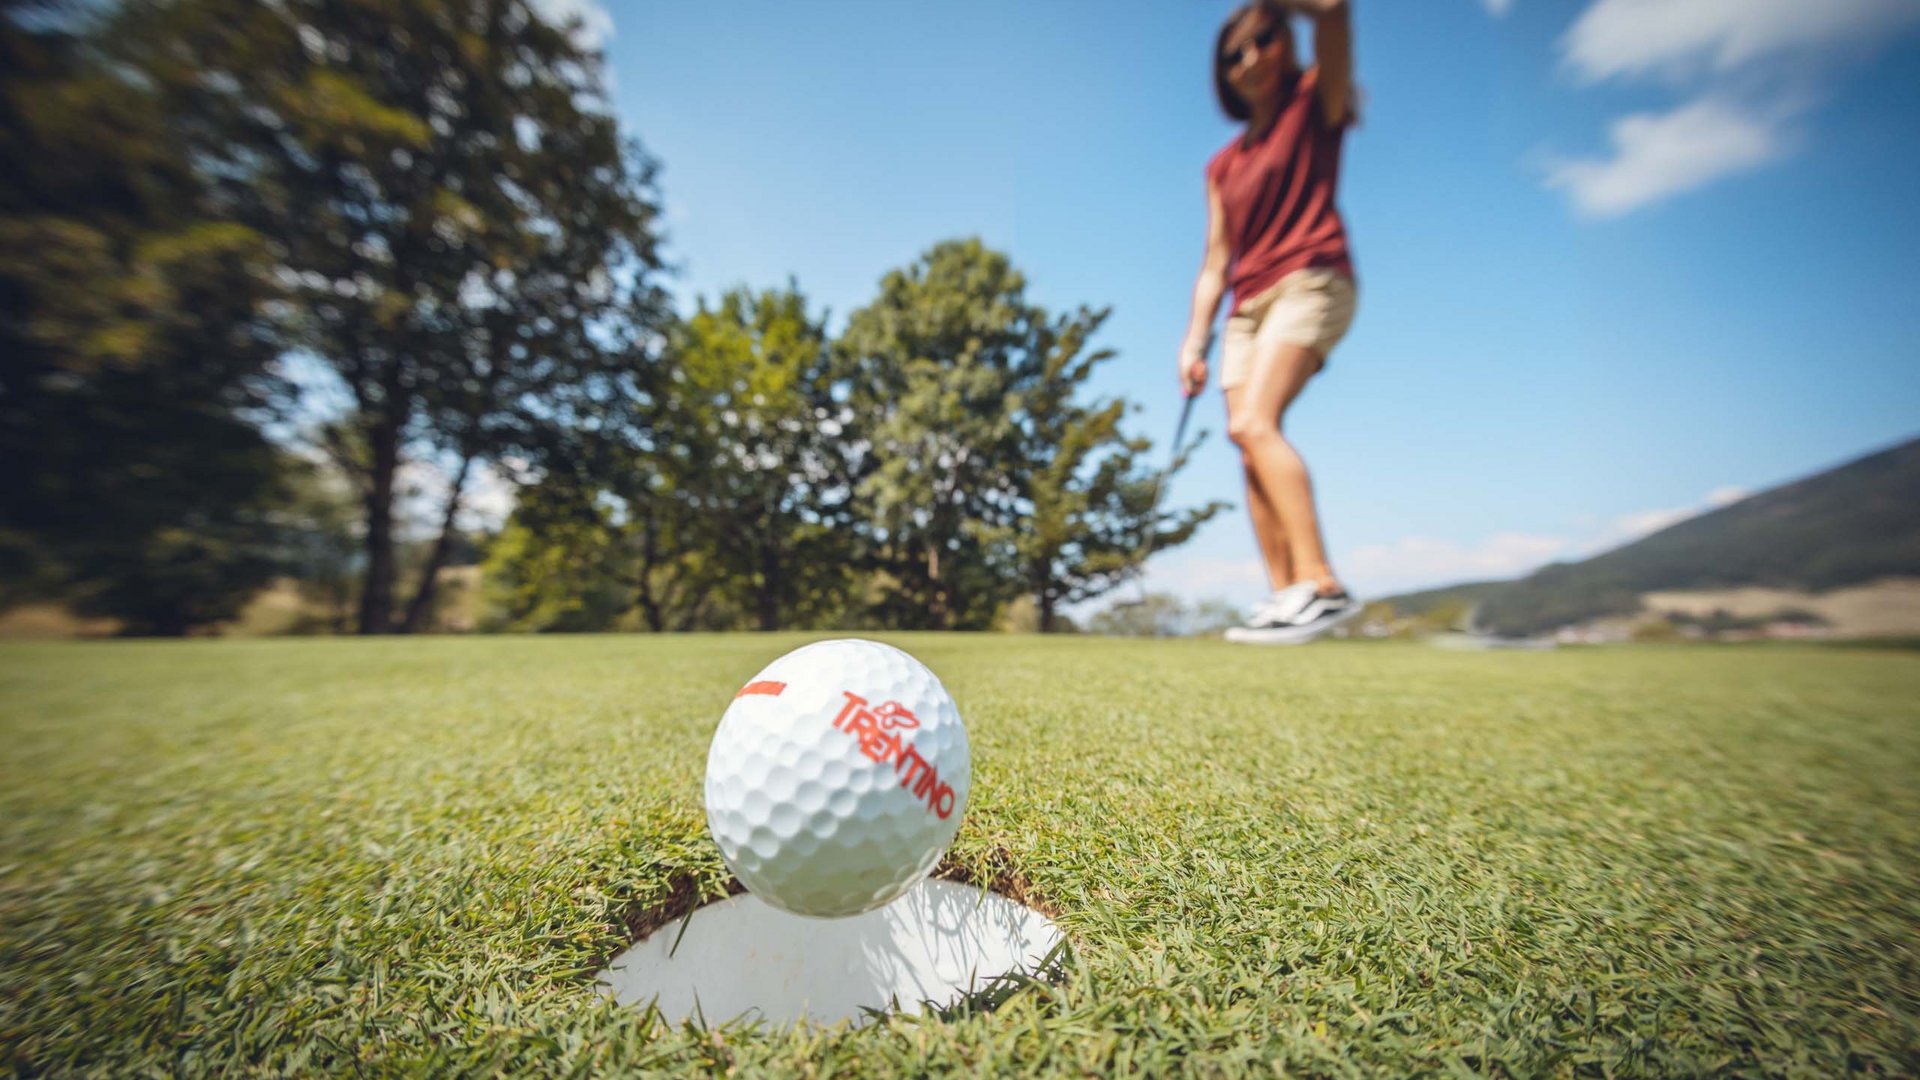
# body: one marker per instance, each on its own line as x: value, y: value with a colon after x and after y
x: 1278, y: 195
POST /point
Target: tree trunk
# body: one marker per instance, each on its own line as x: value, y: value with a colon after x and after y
x: 1046, y: 609
x: 376, y: 599
x: 342, y: 604
x: 937, y: 595
x: 769, y: 597
x: 423, y: 593
x: 696, y: 607
x: 650, y: 605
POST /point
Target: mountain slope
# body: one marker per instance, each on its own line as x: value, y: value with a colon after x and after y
x: 1845, y: 526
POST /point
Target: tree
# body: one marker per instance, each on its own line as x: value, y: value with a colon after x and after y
x: 1213, y: 617
x: 136, y: 351
x: 1164, y: 615
x: 725, y: 487
x: 317, y: 545
x: 578, y: 557
x: 987, y: 475
x: 455, y: 220
x: 554, y: 572
x: 1087, y: 509
x: 1158, y: 615
x: 1021, y: 615
x: 934, y: 365
x: 765, y: 470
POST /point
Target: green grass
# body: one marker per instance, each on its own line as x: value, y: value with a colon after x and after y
x: 399, y: 857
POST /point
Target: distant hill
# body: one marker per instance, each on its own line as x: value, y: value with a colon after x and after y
x: 1846, y: 526
x: 1468, y: 593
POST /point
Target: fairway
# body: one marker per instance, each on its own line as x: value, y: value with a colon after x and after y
x: 396, y: 856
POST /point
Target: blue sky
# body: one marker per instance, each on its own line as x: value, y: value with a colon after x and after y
x: 1619, y: 259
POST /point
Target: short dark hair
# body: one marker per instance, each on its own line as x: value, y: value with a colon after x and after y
x: 1231, y: 102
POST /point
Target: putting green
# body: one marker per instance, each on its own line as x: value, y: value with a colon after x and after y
x: 413, y: 855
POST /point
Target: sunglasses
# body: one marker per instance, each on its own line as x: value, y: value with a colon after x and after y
x: 1238, y: 55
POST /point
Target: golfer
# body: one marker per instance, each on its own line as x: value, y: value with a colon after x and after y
x: 1276, y: 241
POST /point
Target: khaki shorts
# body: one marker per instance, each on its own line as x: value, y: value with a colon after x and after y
x: 1307, y: 307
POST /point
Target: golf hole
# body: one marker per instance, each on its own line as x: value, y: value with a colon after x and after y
x: 944, y: 945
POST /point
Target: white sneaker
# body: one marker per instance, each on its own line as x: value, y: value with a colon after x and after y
x: 1323, y: 613
x: 1281, y: 608
x: 1309, y: 620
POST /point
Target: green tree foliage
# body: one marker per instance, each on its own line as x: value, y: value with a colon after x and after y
x: 763, y: 466
x: 728, y: 496
x: 318, y: 546
x: 1158, y: 615
x: 603, y: 547
x: 1021, y: 615
x: 935, y: 363
x: 555, y: 573
x: 455, y: 217
x: 134, y: 358
x: 181, y: 575
x: 1163, y: 615
x: 986, y: 474
x: 431, y: 200
x: 1086, y: 509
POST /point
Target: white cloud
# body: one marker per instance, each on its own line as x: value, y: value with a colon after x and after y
x: 1196, y: 576
x: 1656, y: 155
x: 1752, y: 66
x: 1726, y: 496
x: 1637, y: 37
x: 1417, y: 561
x: 1641, y: 523
x: 1496, y: 8
x: 1631, y: 526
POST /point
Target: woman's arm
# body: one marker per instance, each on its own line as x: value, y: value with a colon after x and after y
x: 1207, y: 289
x: 1332, y: 53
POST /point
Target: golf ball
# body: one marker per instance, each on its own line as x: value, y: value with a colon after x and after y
x: 837, y: 778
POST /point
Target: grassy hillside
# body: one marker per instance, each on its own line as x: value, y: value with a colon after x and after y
x: 405, y: 858
x: 1466, y: 594
x: 1845, y: 526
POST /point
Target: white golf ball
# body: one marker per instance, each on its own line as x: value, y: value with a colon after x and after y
x: 837, y: 778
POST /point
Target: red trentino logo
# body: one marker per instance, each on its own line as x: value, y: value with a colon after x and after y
x: 878, y: 730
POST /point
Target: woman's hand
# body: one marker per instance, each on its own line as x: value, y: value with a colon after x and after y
x: 1192, y: 371
x: 1313, y: 9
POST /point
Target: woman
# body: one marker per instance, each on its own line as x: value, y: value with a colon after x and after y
x: 1276, y: 239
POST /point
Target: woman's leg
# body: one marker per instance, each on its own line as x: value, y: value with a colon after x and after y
x: 1268, y: 531
x: 1280, y: 370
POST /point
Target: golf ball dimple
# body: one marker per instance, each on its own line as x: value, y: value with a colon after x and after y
x: 837, y: 778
